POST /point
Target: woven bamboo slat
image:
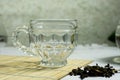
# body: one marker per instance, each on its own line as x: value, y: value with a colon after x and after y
x: 28, y: 68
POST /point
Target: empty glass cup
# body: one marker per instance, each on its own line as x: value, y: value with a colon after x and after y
x: 52, y: 40
x: 117, y: 38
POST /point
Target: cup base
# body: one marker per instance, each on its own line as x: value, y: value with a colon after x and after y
x: 116, y: 60
x: 53, y: 64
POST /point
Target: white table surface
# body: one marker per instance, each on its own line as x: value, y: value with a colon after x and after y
x: 101, y: 54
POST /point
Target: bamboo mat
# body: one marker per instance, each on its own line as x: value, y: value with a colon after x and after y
x: 28, y: 68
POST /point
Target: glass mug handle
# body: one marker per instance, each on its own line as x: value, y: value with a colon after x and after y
x: 17, y: 43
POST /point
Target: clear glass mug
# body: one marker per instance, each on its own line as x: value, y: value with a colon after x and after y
x: 117, y: 39
x: 52, y: 40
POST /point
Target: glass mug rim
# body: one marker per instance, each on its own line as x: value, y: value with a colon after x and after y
x: 72, y: 22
